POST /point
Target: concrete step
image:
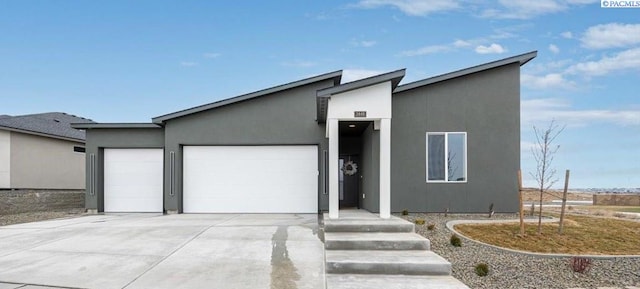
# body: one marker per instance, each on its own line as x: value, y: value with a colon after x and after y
x: 375, y: 241
x: 395, y: 262
x: 347, y: 281
x: 392, y: 225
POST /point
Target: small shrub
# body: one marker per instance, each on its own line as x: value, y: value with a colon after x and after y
x: 431, y: 227
x: 533, y: 210
x: 620, y: 215
x: 482, y: 269
x: 580, y: 264
x: 419, y: 221
x: 491, y: 212
x: 455, y: 241
x: 405, y: 212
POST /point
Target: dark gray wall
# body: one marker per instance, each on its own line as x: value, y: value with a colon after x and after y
x: 285, y: 118
x: 349, y: 145
x: 370, y: 160
x: 486, y: 105
x: 99, y: 139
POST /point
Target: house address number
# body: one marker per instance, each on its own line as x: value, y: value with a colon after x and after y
x: 359, y: 114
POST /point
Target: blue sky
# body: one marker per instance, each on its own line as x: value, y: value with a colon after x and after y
x: 129, y: 61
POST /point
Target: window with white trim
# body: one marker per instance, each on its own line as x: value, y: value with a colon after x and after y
x: 446, y: 157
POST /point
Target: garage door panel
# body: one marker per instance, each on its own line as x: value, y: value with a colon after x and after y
x: 251, y: 206
x: 133, y: 180
x: 258, y: 179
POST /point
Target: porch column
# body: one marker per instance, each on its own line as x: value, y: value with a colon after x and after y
x: 334, y: 199
x: 385, y: 168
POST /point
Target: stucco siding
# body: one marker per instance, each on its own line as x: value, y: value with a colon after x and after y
x: 5, y: 159
x: 285, y: 118
x: 99, y: 139
x: 45, y: 163
x: 370, y: 161
x: 486, y: 105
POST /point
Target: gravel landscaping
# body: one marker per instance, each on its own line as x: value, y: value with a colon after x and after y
x: 513, y: 270
x: 9, y: 219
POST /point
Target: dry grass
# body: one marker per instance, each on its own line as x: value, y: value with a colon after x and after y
x: 582, y: 235
x: 630, y: 209
x: 601, y: 211
x: 532, y: 195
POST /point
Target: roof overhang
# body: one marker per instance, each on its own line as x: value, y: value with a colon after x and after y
x: 42, y: 134
x: 323, y: 95
x: 336, y: 76
x: 113, y: 125
x: 522, y: 59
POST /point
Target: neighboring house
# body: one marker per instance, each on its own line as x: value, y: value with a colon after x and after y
x: 42, y: 151
x: 446, y: 142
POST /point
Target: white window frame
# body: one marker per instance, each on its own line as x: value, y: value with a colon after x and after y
x: 446, y: 150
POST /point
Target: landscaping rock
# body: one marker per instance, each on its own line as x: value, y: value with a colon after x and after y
x: 513, y: 270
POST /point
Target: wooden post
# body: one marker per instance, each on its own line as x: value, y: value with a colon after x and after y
x: 564, y: 202
x: 521, y: 204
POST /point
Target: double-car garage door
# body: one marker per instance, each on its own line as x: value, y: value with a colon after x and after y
x: 251, y: 179
x: 217, y: 179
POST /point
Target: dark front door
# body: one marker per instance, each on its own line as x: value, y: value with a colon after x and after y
x: 349, y: 181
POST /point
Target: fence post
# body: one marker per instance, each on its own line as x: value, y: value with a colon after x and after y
x: 520, y: 202
x: 564, y: 202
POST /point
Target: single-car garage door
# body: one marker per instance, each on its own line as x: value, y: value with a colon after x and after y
x: 133, y: 180
x: 250, y: 179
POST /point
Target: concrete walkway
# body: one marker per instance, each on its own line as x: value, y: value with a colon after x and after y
x: 155, y: 251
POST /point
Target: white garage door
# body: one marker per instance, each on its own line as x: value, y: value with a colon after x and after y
x: 250, y: 179
x: 133, y: 180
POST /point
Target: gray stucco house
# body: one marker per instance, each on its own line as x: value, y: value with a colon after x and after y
x: 447, y: 142
x: 42, y: 151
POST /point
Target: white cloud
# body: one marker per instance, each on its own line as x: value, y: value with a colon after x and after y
x: 426, y: 50
x: 612, y: 35
x: 367, y: 43
x: 551, y: 80
x: 431, y: 49
x: 554, y: 49
x: 547, y: 67
x: 412, y: 7
x: 525, y: 9
x: 363, y: 43
x: 493, y: 48
x: 188, y: 63
x: 349, y: 75
x: 461, y: 43
x: 211, y: 55
x: 299, y: 63
x: 625, y: 60
x: 538, y: 110
x: 526, y: 146
x: 567, y: 34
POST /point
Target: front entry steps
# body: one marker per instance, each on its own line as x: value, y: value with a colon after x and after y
x: 392, y: 282
x: 399, y: 262
x: 375, y: 241
x: 365, y: 251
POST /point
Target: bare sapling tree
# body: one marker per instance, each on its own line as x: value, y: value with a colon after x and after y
x: 544, y: 152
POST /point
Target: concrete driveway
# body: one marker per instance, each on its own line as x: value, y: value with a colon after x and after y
x: 174, y: 251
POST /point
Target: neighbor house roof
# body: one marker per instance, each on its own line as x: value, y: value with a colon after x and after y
x: 115, y: 125
x: 521, y: 59
x: 51, y: 124
x: 323, y: 95
x: 336, y: 76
